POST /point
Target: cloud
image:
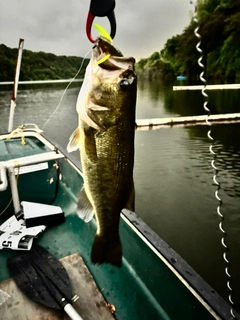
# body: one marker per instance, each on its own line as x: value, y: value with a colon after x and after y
x: 59, y: 26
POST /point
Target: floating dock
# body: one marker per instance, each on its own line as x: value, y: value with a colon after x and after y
x: 42, y: 81
x: 155, y: 123
x: 208, y: 87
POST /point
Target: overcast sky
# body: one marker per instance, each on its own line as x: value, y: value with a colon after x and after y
x: 58, y: 26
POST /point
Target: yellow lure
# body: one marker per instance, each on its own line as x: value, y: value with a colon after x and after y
x: 103, y: 32
x: 102, y: 60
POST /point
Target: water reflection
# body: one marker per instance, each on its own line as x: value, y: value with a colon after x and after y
x: 176, y: 197
x: 189, y: 102
x: 175, y: 190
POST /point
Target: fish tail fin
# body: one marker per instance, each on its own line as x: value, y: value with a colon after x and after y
x: 74, y: 141
x: 104, y: 251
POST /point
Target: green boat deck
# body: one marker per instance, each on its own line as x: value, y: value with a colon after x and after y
x: 143, y: 288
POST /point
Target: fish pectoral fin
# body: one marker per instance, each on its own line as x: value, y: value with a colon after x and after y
x: 84, y: 209
x: 74, y: 141
x: 130, y: 205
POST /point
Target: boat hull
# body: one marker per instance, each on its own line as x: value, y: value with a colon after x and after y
x: 153, y: 282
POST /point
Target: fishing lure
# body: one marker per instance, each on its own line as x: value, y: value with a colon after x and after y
x: 103, y: 32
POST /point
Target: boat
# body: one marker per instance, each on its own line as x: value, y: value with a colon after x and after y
x: 181, y: 78
x: 154, y: 282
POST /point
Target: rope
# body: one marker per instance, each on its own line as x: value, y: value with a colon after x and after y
x: 214, y: 155
x: 65, y: 90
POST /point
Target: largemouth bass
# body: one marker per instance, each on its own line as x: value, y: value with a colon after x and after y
x: 106, y: 108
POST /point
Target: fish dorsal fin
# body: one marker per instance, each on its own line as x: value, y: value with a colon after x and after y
x: 84, y: 209
x: 74, y: 141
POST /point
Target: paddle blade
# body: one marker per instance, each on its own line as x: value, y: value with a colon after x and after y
x: 41, y: 277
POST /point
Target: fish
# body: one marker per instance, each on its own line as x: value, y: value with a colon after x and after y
x: 105, y: 135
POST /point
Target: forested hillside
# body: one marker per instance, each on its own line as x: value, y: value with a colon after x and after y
x: 38, y: 65
x: 219, y: 27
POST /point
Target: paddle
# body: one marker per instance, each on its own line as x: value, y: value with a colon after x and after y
x: 43, y: 279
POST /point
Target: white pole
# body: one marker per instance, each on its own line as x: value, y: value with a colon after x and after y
x: 14, y: 189
x: 15, y: 85
x: 11, y: 115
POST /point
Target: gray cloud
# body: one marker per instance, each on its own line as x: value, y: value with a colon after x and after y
x: 59, y: 26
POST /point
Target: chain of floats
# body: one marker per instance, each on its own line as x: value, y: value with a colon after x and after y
x: 205, y: 95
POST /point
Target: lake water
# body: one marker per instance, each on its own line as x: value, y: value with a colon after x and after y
x: 173, y: 173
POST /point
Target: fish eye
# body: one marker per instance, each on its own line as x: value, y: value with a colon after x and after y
x: 124, y: 84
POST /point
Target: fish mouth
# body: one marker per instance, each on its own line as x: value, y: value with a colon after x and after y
x: 106, y: 56
x: 104, y: 47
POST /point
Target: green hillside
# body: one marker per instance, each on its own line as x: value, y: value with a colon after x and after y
x: 219, y: 27
x: 38, y: 65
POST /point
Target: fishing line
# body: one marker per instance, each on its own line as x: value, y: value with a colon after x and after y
x: 214, y: 156
x: 65, y: 90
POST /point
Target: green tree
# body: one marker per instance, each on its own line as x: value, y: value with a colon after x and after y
x: 38, y: 65
x: 219, y: 28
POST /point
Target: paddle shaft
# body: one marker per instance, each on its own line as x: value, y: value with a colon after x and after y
x: 68, y: 308
x: 72, y: 312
